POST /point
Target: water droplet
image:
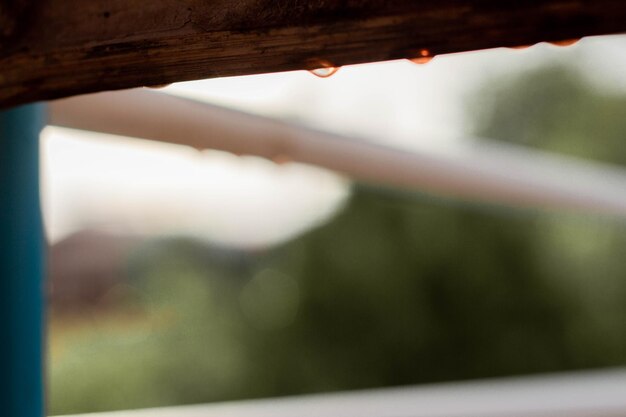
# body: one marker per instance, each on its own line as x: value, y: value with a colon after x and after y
x: 566, y: 42
x: 281, y: 159
x: 158, y: 86
x: 421, y: 60
x: 325, y: 70
x: 424, y: 57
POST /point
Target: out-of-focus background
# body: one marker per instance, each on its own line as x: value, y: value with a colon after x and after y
x: 179, y: 276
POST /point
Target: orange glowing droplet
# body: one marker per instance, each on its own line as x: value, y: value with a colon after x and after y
x: 424, y: 57
x: 158, y: 86
x: 520, y: 47
x: 566, y: 42
x: 281, y: 159
x: 325, y: 70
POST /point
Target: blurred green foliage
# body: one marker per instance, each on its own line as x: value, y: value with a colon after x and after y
x: 396, y: 289
x: 555, y: 109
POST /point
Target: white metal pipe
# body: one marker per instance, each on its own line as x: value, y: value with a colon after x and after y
x: 490, y: 173
x: 597, y: 394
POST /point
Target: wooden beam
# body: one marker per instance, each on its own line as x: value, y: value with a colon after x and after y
x: 57, y: 48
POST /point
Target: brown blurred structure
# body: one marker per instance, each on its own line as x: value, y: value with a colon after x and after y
x: 84, y: 267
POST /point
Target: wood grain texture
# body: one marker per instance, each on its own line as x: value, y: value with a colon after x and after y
x: 57, y: 48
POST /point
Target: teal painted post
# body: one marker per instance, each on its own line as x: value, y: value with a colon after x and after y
x: 21, y: 264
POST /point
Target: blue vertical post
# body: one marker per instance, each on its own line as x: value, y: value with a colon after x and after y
x: 21, y: 264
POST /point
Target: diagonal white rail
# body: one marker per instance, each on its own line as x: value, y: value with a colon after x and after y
x: 491, y: 173
x: 584, y: 394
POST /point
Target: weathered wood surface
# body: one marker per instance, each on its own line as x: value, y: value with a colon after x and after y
x: 56, y: 48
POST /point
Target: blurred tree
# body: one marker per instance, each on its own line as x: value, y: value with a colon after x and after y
x: 553, y: 108
x: 557, y: 109
x: 394, y: 292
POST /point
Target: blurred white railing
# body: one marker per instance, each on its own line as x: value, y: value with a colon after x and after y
x: 582, y: 394
x: 489, y: 172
